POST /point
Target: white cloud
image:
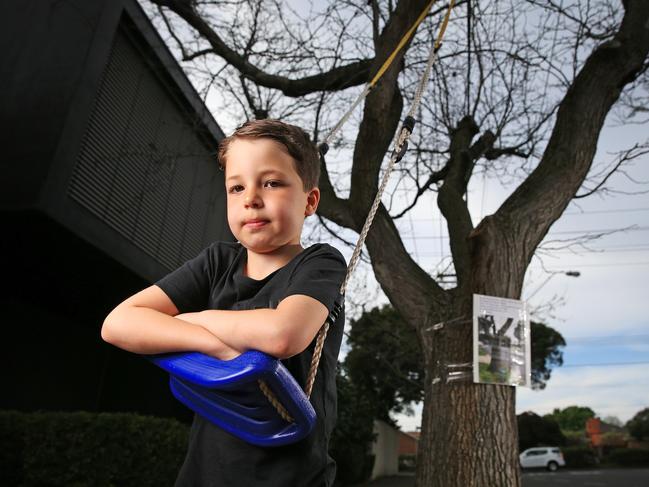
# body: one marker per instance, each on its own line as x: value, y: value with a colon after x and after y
x: 618, y: 390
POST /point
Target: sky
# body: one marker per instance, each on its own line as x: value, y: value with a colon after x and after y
x: 603, y: 314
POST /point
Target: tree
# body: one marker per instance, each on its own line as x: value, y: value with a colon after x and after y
x: 354, y: 434
x: 383, y: 374
x: 546, y: 353
x: 384, y: 363
x: 614, y: 421
x: 521, y: 89
x: 638, y: 426
x: 572, y: 418
x: 533, y: 430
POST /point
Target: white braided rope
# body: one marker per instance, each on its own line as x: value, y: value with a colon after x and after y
x: 402, y: 137
x: 432, y: 57
x: 346, y: 116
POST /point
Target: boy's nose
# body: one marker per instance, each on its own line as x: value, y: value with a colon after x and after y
x: 252, y: 200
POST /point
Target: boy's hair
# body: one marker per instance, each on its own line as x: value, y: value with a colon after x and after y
x: 293, y: 138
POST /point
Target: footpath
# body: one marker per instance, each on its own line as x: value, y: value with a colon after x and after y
x: 402, y: 480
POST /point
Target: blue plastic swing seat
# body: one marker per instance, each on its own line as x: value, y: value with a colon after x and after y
x: 227, y: 394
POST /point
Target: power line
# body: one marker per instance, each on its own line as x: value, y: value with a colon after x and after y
x: 598, y: 212
x: 637, y: 248
x: 587, y: 212
x: 607, y: 364
x: 606, y: 337
x: 601, y: 230
x: 579, y: 253
x: 562, y: 232
x: 610, y: 264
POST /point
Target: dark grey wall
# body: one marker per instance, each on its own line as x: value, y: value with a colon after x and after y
x: 46, y: 64
x: 102, y: 131
x: 108, y: 180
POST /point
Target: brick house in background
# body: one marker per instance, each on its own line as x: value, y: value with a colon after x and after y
x: 603, y: 436
x: 408, y: 442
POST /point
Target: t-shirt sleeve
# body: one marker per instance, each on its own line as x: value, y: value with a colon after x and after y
x: 319, y: 276
x: 189, y: 285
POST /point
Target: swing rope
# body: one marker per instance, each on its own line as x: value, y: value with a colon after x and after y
x: 384, y: 67
x: 400, y: 147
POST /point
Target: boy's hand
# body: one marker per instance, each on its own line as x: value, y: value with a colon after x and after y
x: 217, y: 348
x: 189, y: 318
x: 281, y: 332
x: 222, y: 352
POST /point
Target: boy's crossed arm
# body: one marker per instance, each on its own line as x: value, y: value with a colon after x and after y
x: 148, y: 323
x: 281, y: 332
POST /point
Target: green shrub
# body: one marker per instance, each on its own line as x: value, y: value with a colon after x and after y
x: 12, y: 445
x: 575, y: 438
x: 579, y: 456
x: 351, y: 442
x: 79, y: 449
x: 629, y: 457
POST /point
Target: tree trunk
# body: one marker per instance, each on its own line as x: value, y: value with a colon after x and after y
x: 468, y: 436
x: 468, y: 431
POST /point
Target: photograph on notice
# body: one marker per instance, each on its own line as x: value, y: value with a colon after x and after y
x: 501, y: 341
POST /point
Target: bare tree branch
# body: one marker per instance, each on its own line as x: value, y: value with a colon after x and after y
x: 634, y: 152
x: 571, y: 148
x: 341, y: 77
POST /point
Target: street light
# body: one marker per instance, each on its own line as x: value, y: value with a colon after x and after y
x: 567, y: 273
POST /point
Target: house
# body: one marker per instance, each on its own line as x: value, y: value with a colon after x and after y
x: 408, y: 443
x: 391, y: 445
x: 109, y: 181
x: 385, y: 450
x: 603, y: 436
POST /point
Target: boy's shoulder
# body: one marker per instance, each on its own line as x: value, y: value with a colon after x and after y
x: 223, y: 245
x: 323, y: 251
x: 222, y: 248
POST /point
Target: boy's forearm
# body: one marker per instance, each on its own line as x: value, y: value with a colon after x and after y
x: 147, y: 331
x: 257, y: 329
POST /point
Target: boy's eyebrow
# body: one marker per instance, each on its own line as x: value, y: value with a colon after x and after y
x: 263, y: 173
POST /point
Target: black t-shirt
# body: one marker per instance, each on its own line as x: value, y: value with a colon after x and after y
x: 215, y: 280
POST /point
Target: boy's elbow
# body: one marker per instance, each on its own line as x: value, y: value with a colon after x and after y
x: 108, y: 330
x: 111, y: 330
x: 286, y: 346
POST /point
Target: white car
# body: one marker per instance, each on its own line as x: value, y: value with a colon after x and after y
x: 549, y: 457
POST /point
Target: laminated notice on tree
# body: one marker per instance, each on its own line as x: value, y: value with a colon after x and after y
x: 501, y: 341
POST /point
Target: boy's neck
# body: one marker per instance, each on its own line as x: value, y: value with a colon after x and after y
x: 258, y: 266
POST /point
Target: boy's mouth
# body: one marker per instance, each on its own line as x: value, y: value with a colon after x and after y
x: 255, y: 223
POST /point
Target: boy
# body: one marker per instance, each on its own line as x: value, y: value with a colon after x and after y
x: 264, y: 292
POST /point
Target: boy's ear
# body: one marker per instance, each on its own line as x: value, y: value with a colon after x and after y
x: 312, y: 200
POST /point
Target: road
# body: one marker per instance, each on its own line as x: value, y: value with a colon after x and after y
x: 637, y: 477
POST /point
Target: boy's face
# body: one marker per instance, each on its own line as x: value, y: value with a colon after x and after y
x: 267, y: 203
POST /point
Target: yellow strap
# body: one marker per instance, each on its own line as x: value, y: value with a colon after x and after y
x: 438, y: 41
x: 403, y: 41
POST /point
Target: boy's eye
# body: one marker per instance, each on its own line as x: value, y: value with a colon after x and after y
x: 237, y: 188
x: 273, y: 184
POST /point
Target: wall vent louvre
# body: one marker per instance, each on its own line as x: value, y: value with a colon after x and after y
x: 141, y: 168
